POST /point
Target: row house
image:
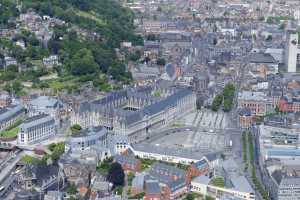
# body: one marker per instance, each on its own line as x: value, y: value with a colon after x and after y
x: 257, y: 102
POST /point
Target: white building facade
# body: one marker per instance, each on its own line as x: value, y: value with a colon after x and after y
x: 37, y: 129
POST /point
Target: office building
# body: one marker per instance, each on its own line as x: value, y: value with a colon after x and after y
x: 36, y: 129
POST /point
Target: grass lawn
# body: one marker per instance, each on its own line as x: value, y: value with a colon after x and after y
x: 60, y: 84
x: 10, y: 133
x: 146, y: 163
x: 56, y: 85
x: 29, y: 159
x: 92, y: 16
x: 218, y: 181
x: 38, y: 63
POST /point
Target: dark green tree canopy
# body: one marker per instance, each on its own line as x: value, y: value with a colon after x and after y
x: 116, y: 174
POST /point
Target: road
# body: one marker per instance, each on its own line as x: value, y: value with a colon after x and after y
x: 240, y: 78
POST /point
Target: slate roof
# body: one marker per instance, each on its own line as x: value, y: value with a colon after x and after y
x: 36, y: 120
x: 164, y: 174
x: 240, y: 183
x: 144, y: 147
x: 138, y: 180
x: 167, y: 169
x: 41, y: 172
x: 261, y: 58
x: 122, y: 159
x: 152, y: 187
x: 128, y: 117
x: 44, y: 101
x: 10, y: 112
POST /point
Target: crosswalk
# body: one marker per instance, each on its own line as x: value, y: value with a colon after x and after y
x: 210, y: 120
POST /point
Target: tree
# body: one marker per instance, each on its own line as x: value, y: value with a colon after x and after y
x: 151, y: 37
x: 12, y: 68
x: 269, y: 38
x: 217, y: 102
x: 189, y: 196
x: 161, y: 61
x: 116, y: 174
x: 16, y: 87
x: 71, y: 189
x: 83, y: 63
x: 57, y: 150
x: 277, y: 110
x: 75, y: 128
x: 135, y: 56
x: 117, y: 70
x: 228, y: 96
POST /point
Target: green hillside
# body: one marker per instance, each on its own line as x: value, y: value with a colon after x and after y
x: 83, y: 58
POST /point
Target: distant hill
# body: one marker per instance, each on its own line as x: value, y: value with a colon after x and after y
x: 105, y: 17
x: 85, y: 44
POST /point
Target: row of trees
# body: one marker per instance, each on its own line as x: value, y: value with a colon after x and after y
x: 248, y: 141
x: 225, y: 98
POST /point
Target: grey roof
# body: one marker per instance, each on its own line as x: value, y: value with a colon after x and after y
x: 211, y: 156
x: 152, y: 187
x: 183, y: 153
x: 9, y: 112
x: 122, y: 159
x: 203, y: 179
x: 41, y: 172
x: 155, y: 105
x: 229, y: 165
x: 167, y: 169
x: 37, y: 120
x: 164, y: 174
x: 130, y: 117
x: 261, y: 58
x: 176, y: 36
x: 138, y: 180
x: 44, y: 101
x: 290, y: 181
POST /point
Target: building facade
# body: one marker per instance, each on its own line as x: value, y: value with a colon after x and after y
x: 5, y: 99
x: 245, y: 118
x: 87, y: 138
x: 36, y: 129
x: 292, y: 51
x: 258, y: 103
x: 289, y: 188
x: 136, y: 111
